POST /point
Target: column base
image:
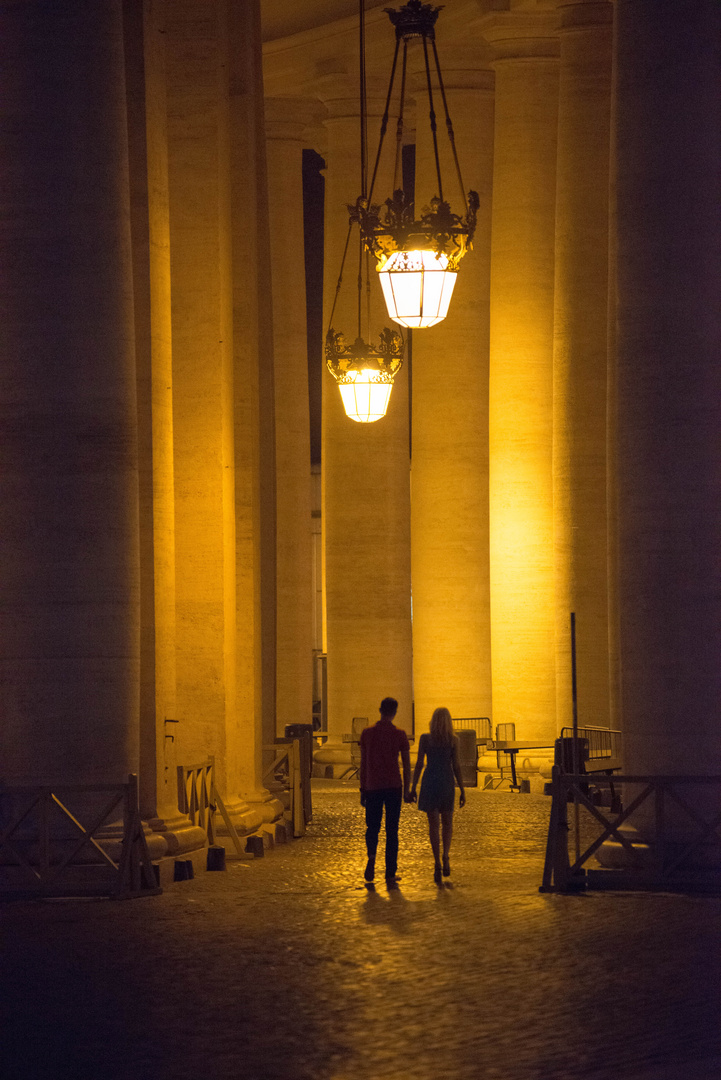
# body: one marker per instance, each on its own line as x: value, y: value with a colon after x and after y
x: 266, y: 804
x: 179, y: 834
x: 332, y: 760
x: 244, y: 816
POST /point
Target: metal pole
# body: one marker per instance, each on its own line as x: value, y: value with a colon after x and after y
x: 576, y: 756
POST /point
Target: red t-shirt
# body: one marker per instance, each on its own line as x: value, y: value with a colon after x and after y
x: 380, y: 746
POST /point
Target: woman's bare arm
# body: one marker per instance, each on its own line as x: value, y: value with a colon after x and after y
x: 457, y: 773
x: 419, y: 764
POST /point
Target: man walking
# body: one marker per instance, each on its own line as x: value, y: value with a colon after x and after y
x: 380, y: 785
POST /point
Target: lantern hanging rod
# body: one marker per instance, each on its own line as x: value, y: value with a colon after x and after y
x: 432, y: 116
x: 339, y: 282
x: 449, y: 123
x: 363, y: 112
x: 413, y: 20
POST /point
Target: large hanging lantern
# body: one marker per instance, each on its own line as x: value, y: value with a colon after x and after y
x: 364, y: 374
x: 417, y: 259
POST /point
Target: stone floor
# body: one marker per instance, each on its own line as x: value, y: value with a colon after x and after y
x: 288, y: 968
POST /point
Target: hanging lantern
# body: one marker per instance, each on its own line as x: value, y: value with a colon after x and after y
x: 417, y: 260
x: 364, y: 374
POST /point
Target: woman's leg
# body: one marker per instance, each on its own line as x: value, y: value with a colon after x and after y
x: 447, y: 830
x: 433, y: 824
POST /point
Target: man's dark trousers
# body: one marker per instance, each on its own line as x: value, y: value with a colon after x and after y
x: 392, y: 799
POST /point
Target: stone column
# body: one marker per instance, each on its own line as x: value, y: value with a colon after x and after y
x: 69, y: 566
x: 580, y: 359
x: 366, y: 482
x: 669, y: 384
x: 521, y: 382
x: 148, y: 147
x: 252, y: 725
x: 203, y: 391
x: 449, y: 500
x: 614, y: 661
x: 285, y: 120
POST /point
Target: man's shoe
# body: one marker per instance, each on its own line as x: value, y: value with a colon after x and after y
x: 370, y: 871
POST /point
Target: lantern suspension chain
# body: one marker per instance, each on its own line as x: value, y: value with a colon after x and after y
x: 432, y: 116
x: 340, y: 275
x: 363, y: 101
x: 384, y: 121
x: 449, y: 125
x: 398, y: 170
x: 364, y: 160
x: 360, y: 284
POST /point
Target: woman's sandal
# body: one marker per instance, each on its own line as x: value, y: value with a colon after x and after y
x: 446, y: 867
x: 437, y: 874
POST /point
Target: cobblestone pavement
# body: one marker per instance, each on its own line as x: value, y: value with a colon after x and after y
x: 288, y: 968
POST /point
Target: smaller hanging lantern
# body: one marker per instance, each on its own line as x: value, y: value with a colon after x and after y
x: 364, y: 374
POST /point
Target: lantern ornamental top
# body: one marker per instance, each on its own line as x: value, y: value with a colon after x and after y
x: 414, y: 19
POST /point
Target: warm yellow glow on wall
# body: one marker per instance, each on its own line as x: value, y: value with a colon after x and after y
x: 417, y: 286
x: 365, y: 394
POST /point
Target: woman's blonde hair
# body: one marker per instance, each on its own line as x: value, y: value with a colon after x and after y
x: 441, y: 727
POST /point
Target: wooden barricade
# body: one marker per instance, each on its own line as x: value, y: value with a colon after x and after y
x: 666, y: 862
x: 38, y: 861
x: 295, y: 761
x: 199, y: 798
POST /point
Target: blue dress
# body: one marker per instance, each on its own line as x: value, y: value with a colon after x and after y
x: 438, y: 786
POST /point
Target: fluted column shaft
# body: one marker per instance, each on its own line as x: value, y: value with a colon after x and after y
x: 148, y: 145
x: 202, y: 377
x: 669, y: 383
x: 449, y: 496
x: 579, y: 359
x: 253, y: 723
x: 366, y: 472
x: 284, y: 124
x: 69, y: 567
x: 521, y: 381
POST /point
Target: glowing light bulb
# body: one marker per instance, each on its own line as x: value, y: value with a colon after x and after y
x: 417, y: 286
x: 365, y: 394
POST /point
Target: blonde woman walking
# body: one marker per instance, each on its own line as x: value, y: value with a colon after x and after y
x: 439, y: 749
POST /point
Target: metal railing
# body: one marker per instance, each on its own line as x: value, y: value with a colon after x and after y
x: 665, y: 862
x: 603, y: 746
x: 480, y: 724
x: 49, y: 849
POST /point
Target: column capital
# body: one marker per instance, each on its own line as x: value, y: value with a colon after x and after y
x: 463, y: 68
x: 338, y: 90
x: 293, y: 119
x: 583, y: 14
x: 521, y: 35
x: 456, y: 78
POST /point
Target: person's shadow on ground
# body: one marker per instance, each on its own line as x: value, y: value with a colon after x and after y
x: 389, y: 907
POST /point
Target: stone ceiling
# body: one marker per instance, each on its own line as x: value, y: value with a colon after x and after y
x: 282, y: 18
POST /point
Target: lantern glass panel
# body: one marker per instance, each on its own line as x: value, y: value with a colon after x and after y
x: 417, y: 286
x: 365, y: 395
